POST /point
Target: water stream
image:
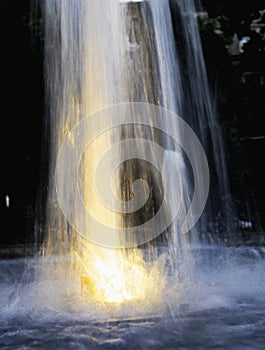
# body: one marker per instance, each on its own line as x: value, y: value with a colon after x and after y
x: 108, y: 65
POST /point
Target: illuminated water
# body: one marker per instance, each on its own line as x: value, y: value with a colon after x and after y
x: 175, y: 291
x: 104, y: 53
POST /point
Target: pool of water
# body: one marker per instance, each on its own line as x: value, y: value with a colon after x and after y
x: 220, y: 307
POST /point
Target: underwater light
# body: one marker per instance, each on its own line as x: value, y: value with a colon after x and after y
x: 111, y: 278
x: 111, y: 293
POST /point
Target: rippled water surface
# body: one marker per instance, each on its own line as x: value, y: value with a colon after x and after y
x: 220, y: 307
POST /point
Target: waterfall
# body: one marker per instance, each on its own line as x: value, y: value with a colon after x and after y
x: 118, y: 71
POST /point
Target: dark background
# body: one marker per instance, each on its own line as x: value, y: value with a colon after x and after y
x: 238, y: 83
x: 21, y: 118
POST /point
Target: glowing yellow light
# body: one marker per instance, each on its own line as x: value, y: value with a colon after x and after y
x: 114, y: 277
x: 109, y: 275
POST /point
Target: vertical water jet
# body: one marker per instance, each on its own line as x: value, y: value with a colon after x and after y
x: 105, y: 53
